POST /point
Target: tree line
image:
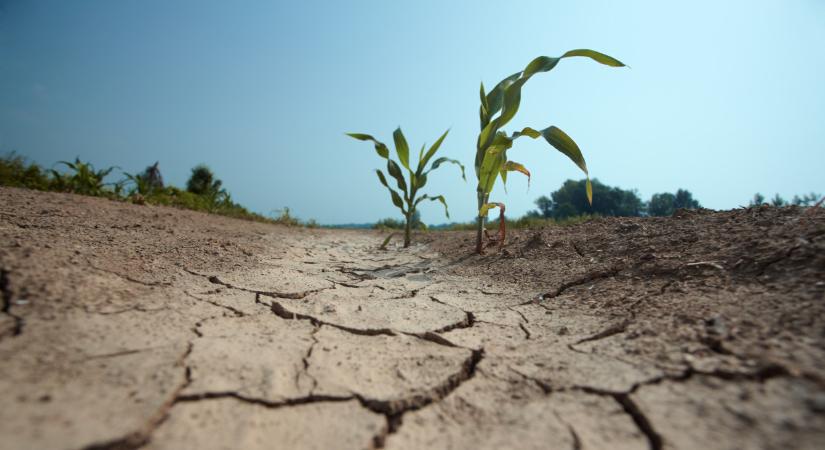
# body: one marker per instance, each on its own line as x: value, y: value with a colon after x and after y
x: 570, y: 201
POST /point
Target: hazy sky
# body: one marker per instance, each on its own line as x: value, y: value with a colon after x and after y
x: 724, y: 98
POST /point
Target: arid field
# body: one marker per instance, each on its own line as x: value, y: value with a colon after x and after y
x: 126, y: 326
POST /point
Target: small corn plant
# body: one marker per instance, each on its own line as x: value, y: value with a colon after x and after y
x: 493, y: 143
x: 409, y: 199
x: 85, y: 180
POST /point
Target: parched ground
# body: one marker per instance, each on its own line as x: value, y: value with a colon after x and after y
x: 129, y: 326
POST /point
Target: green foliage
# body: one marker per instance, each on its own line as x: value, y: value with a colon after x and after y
x: 661, y: 204
x: 665, y: 204
x: 284, y: 217
x: 395, y: 224
x: 203, y: 182
x: 806, y: 200
x: 16, y: 172
x: 529, y: 220
x: 498, y: 108
x: 408, y: 199
x: 777, y: 200
x: 83, y: 179
x: 146, y: 187
x: 146, y: 183
x: 758, y: 199
x: 571, y: 200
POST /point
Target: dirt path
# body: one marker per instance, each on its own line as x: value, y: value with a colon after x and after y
x: 130, y: 326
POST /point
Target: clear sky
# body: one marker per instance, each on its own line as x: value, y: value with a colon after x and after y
x: 724, y: 98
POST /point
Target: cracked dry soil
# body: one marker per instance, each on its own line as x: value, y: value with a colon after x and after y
x: 127, y: 327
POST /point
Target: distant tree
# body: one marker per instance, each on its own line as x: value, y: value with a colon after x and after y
x: 665, y: 203
x: 806, y: 200
x: 757, y: 200
x: 545, y: 206
x: 153, y: 177
x: 203, y: 182
x: 397, y: 224
x: 148, y: 182
x: 778, y: 201
x: 570, y: 200
x: 661, y: 205
x: 684, y: 199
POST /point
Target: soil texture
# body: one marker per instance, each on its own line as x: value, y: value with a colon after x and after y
x: 127, y: 326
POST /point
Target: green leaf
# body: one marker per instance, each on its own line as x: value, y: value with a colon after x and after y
x: 423, y: 161
x: 396, y: 199
x: 526, y: 131
x: 443, y: 160
x: 483, y: 110
x: 484, y: 139
x: 494, y: 157
x: 495, y: 99
x: 395, y: 171
x: 440, y: 198
x: 380, y: 148
x: 420, y: 181
x: 540, y: 64
x: 485, y: 208
x: 595, y: 56
x: 589, y: 188
x: 565, y: 144
x: 512, y: 100
x: 512, y: 166
x: 401, y: 148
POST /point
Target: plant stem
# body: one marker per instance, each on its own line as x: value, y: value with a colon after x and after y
x: 407, y: 230
x: 482, y: 199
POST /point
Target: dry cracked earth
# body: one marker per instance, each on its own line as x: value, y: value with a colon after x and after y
x: 128, y: 326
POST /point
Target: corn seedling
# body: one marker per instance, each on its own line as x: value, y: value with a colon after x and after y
x: 408, y: 200
x: 498, y: 107
x: 85, y: 180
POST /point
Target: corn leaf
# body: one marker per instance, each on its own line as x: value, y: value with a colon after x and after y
x: 380, y: 147
x: 438, y: 162
x: 395, y: 171
x: 422, y: 162
x: 401, y: 148
x: 396, y: 199
x: 565, y: 144
x: 484, y: 109
x: 595, y: 56
x: 440, y: 198
x: 420, y: 181
x: 526, y: 131
x: 495, y: 99
x: 512, y: 166
x: 485, y: 208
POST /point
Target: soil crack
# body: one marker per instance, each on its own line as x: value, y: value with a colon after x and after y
x: 630, y: 407
x: 6, y: 295
x: 587, y: 278
x: 287, y: 295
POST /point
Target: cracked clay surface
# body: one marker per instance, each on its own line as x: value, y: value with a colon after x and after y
x: 127, y: 327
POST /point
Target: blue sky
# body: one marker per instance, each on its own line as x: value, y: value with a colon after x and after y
x: 723, y: 98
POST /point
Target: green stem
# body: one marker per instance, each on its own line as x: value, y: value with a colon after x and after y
x: 407, y: 228
x: 482, y: 199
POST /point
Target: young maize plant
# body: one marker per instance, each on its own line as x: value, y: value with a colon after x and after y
x: 416, y: 179
x: 491, y: 150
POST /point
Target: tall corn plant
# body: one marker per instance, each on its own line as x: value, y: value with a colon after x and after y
x: 498, y: 107
x: 407, y: 201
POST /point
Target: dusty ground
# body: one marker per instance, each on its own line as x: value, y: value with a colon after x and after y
x: 129, y: 326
